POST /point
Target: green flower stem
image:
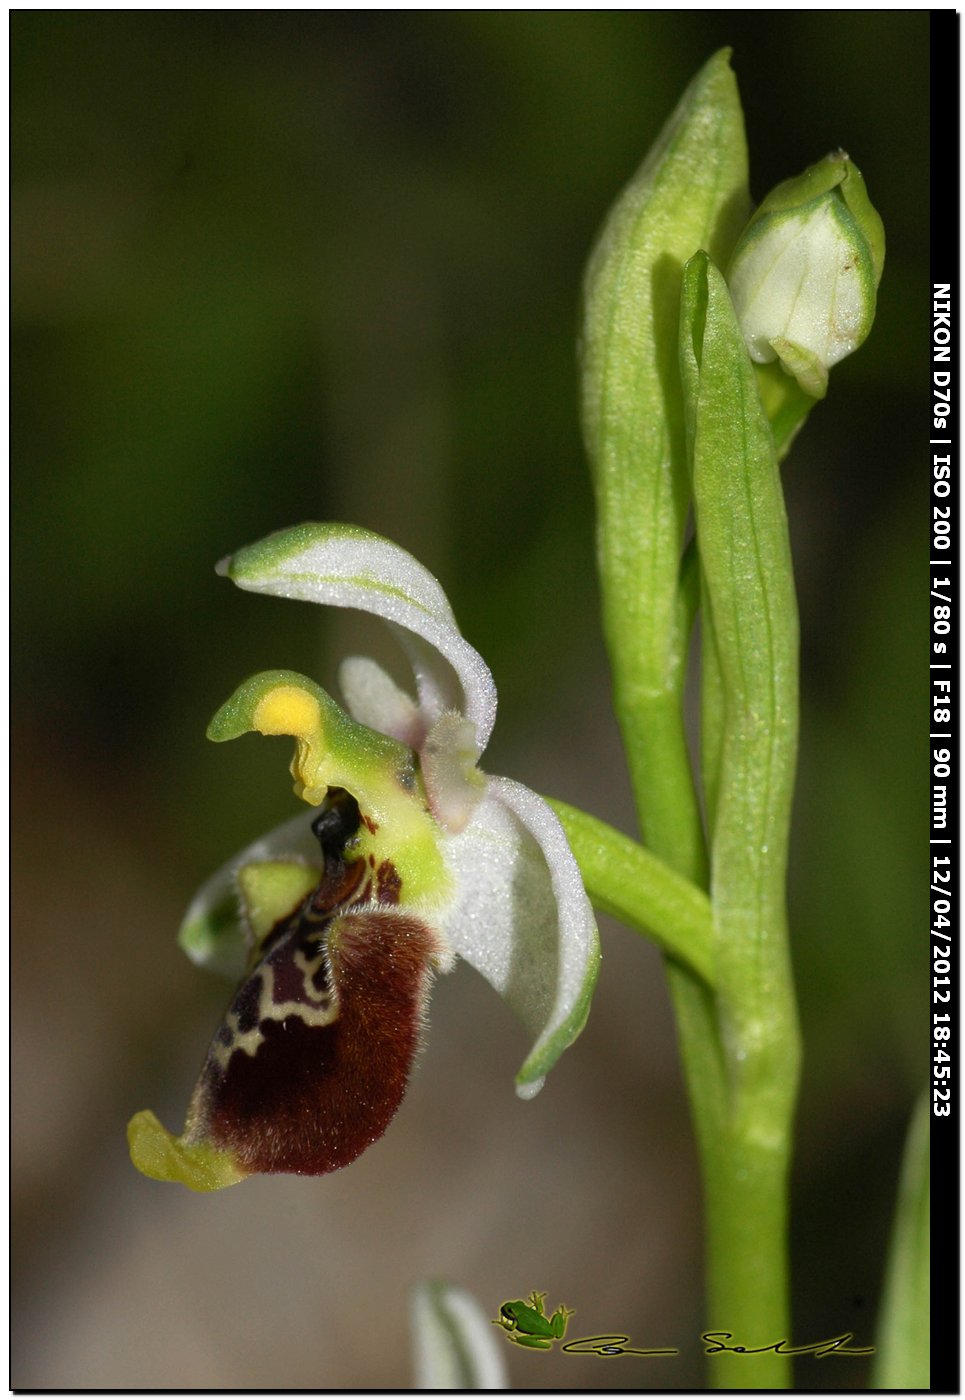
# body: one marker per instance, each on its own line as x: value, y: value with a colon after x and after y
x: 750, y: 619
x: 647, y: 896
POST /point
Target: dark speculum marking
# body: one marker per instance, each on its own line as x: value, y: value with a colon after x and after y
x: 389, y: 883
x: 319, y: 1075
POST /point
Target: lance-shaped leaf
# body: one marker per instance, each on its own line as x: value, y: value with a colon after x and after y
x: 749, y: 736
x: 904, y: 1327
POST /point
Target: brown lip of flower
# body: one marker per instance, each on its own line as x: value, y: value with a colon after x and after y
x: 325, y: 1080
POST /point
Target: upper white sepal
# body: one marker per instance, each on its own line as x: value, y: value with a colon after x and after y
x: 345, y: 566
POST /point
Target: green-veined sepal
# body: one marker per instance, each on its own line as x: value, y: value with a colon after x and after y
x: 345, y: 566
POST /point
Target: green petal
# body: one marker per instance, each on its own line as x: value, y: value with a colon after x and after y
x: 271, y: 890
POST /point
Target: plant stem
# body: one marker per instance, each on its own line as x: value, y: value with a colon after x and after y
x: 649, y: 897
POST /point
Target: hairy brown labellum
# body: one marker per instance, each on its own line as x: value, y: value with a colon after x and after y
x: 312, y: 1059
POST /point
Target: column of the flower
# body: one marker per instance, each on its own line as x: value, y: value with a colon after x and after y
x: 750, y: 623
x: 691, y: 192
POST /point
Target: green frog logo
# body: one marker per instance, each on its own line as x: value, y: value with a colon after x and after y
x: 527, y: 1325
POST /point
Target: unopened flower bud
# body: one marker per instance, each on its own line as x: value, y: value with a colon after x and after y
x: 805, y: 272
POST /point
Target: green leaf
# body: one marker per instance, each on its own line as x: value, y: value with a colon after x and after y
x: 748, y: 601
x: 786, y: 404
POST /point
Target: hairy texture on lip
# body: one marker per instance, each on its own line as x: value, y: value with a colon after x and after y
x: 312, y: 1059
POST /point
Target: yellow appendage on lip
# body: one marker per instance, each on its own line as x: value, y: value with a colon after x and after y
x: 159, y: 1154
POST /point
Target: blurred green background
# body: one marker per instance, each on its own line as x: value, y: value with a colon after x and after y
x: 273, y: 266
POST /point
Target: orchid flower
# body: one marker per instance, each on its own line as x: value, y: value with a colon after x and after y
x: 337, y: 921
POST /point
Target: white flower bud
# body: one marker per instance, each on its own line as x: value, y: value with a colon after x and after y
x: 805, y: 272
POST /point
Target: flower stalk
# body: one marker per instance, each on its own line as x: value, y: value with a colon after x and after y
x: 649, y: 896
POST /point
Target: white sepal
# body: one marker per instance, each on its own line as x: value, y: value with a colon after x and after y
x: 344, y: 566
x: 521, y: 917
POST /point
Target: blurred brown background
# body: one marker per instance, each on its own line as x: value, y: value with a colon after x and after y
x: 270, y: 266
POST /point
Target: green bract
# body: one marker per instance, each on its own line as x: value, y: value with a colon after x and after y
x: 689, y: 193
x: 805, y: 272
x: 337, y: 922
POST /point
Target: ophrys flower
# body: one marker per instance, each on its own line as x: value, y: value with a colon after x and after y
x: 337, y: 921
